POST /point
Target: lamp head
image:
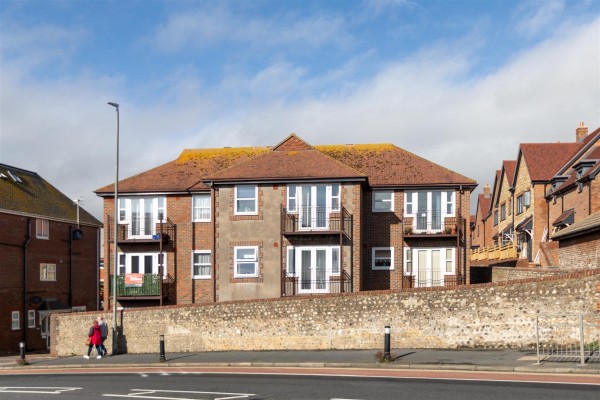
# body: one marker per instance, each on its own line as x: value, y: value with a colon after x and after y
x: 115, y: 105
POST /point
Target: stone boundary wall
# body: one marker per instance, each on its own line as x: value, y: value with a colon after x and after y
x: 506, y: 274
x: 490, y: 315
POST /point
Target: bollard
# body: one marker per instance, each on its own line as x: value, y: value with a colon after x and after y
x: 162, y: 349
x: 386, y: 348
x: 22, y: 350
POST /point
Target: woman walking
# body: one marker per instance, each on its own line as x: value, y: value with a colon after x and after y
x: 95, y: 339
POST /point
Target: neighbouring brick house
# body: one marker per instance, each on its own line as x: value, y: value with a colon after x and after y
x: 49, y: 263
x: 552, y: 184
x: 288, y: 220
x: 482, y: 230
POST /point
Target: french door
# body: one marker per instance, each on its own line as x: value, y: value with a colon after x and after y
x: 429, y: 211
x: 313, y: 207
x: 143, y: 225
x: 313, y: 271
x: 429, y: 266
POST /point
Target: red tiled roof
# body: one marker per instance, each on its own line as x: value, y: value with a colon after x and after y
x: 509, y: 170
x: 543, y: 160
x: 186, y: 172
x: 389, y: 165
x: 483, y: 205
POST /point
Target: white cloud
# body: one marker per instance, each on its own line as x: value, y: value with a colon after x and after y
x: 535, y: 15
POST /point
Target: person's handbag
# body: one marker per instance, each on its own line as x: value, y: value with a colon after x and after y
x: 88, y: 341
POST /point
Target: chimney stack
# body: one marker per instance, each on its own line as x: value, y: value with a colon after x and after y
x: 486, y: 191
x: 581, y: 132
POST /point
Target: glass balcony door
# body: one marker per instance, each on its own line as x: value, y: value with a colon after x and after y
x: 313, y: 207
x: 313, y: 274
x: 429, y: 211
x: 142, y: 218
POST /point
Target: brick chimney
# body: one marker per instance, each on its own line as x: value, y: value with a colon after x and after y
x: 581, y: 132
x: 486, y: 191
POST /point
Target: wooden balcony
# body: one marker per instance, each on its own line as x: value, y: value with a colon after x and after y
x: 495, y: 253
x: 316, y: 221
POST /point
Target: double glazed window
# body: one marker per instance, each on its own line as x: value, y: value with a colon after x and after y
x: 246, y: 200
x: 383, y: 200
x: 246, y: 261
x: 429, y: 266
x: 47, y: 272
x: 201, y: 264
x: 140, y: 263
x: 201, y: 208
x: 429, y: 208
x: 142, y: 213
x: 382, y: 258
x: 314, y: 203
x: 42, y: 228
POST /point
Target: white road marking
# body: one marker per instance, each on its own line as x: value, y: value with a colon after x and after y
x: 155, y: 394
x: 37, y: 390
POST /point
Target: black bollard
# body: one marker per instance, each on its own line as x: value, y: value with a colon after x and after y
x: 22, y: 350
x: 162, y: 348
x: 386, y: 348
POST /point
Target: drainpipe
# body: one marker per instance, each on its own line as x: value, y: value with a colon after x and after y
x: 214, y: 238
x: 70, y: 266
x: 98, y: 270
x: 25, y: 266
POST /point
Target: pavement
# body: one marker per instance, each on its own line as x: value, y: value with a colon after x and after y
x: 504, y: 360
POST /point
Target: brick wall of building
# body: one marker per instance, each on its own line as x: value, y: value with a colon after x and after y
x: 488, y: 315
x: 505, y: 274
x: 580, y: 252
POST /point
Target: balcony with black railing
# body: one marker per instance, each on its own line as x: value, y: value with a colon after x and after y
x: 426, y: 223
x: 316, y: 220
x: 294, y: 285
x: 143, y: 230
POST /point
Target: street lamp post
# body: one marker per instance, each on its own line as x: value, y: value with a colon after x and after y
x: 115, y: 223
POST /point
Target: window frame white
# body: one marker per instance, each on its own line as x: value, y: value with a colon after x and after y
x: 48, y: 272
x: 332, y: 197
x: 411, y: 257
x: 376, y: 201
x: 254, y: 199
x: 236, y: 262
x: 31, y: 318
x: 158, y: 205
x: 374, y: 259
x: 292, y: 201
x: 198, y: 209
x: 42, y: 228
x: 290, y: 261
x: 15, y: 318
x: 126, y: 268
x: 200, y: 264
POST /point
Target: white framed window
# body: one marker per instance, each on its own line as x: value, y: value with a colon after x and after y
x: 245, y: 261
x: 382, y: 258
x: 201, y: 208
x: 201, y: 264
x: 335, y: 260
x: 408, y: 261
x: 31, y: 318
x: 42, y: 228
x: 47, y: 272
x: 292, y: 198
x: 291, y: 261
x: 448, y: 199
x: 450, y: 261
x: 383, y: 200
x: 122, y: 209
x: 142, y: 213
x: 335, y: 197
x: 141, y: 263
x: 246, y: 200
x: 161, y: 209
x: 15, y: 320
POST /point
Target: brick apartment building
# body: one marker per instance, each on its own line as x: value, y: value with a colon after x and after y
x: 49, y: 261
x: 549, y: 187
x: 289, y: 220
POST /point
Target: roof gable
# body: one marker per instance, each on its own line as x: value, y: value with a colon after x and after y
x: 293, y: 143
x: 26, y: 192
x: 543, y: 160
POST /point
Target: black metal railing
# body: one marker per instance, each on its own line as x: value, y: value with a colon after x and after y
x: 435, y: 281
x: 315, y: 219
x: 143, y: 229
x: 432, y: 222
x: 151, y: 285
x: 298, y: 286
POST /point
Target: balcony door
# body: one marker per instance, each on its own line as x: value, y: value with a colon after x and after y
x: 429, y: 266
x: 429, y: 211
x: 142, y: 218
x: 313, y: 271
x: 313, y: 207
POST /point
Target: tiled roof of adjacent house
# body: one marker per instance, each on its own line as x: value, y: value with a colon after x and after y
x: 293, y: 158
x: 509, y: 170
x: 484, y: 204
x: 25, y: 192
x: 543, y: 160
x: 589, y: 224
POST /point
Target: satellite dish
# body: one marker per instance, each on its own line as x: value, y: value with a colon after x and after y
x: 77, y: 234
x: 35, y: 299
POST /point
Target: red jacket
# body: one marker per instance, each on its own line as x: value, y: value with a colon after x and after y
x: 95, y: 334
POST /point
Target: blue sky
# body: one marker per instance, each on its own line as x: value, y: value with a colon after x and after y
x: 461, y: 83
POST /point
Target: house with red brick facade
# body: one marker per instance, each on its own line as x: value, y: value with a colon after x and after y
x: 289, y: 220
x: 550, y: 184
x: 50, y: 254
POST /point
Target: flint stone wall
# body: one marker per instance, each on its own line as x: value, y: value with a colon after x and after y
x: 491, y: 315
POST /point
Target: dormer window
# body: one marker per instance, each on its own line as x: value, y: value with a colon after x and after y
x: 582, y: 167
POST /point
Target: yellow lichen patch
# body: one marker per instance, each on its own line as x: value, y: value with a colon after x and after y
x: 224, y: 155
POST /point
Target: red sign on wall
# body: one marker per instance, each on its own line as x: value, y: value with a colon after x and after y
x: 135, y: 280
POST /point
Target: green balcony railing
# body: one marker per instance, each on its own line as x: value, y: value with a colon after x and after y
x: 151, y: 286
